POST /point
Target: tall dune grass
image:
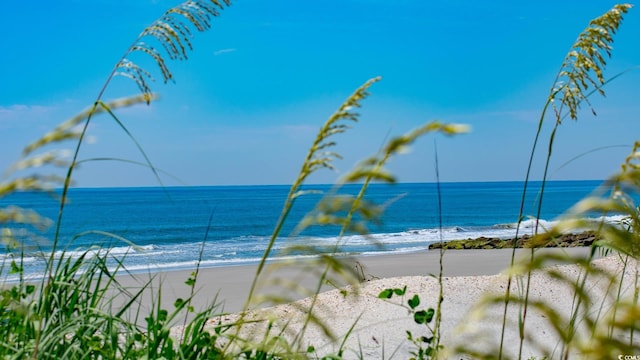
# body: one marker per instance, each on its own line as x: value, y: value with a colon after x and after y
x: 581, y: 75
x: 79, y: 310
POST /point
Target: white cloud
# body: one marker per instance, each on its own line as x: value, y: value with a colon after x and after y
x: 224, y: 51
x: 300, y: 131
x: 91, y: 139
x: 16, y: 108
x: 23, y: 112
x: 12, y: 108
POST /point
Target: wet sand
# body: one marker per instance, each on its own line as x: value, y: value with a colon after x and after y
x: 380, y: 330
x: 229, y: 286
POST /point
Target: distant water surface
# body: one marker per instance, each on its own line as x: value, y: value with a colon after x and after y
x: 168, y: 225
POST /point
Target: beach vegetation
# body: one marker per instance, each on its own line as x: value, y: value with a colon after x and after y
x: 426, y: 346
x: 580, y: 77
x: 78, y: 309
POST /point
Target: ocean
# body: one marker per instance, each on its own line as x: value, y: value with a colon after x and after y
x: 166, y: 228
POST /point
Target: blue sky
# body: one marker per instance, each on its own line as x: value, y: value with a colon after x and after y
x: 247, y: 103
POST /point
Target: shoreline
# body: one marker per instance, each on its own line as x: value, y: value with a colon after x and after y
x: 229, y: 285
x: 376, y: 326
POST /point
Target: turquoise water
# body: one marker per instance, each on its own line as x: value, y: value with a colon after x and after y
x: 168, y: 226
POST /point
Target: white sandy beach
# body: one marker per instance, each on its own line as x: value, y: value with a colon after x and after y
x: 380, y: 331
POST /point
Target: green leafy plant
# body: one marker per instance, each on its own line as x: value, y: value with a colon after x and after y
x: 426, y: 345
x: 70, y: 312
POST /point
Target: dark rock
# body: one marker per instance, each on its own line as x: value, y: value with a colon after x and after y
x: 567, y: 240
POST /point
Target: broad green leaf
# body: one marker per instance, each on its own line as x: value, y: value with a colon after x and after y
x: 423, y: 317
x: 386, y: 294
x: 400, y: 292
x: 15, y: 269
x: 414, y: 301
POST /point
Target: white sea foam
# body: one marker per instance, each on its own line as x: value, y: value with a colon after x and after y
x: 249, y: 249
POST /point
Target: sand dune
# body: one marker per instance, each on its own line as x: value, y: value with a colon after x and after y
x: 381, y: 325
